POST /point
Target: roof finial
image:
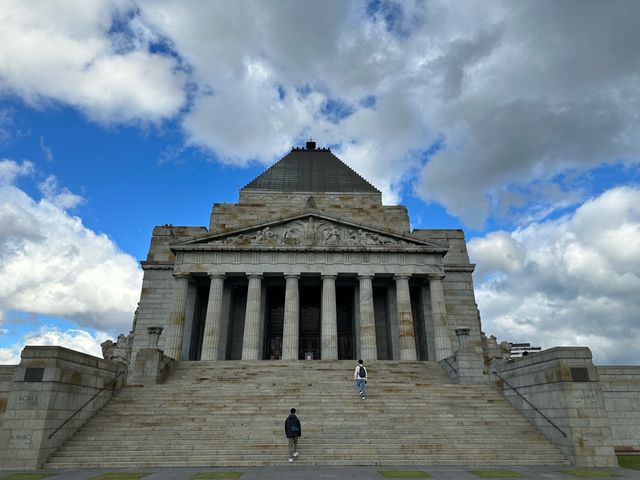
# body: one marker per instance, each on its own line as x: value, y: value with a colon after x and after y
x: 311, y: 145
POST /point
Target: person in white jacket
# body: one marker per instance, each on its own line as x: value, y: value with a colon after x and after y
x: 360, y: 376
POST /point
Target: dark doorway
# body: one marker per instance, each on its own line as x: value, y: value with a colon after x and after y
x: 344, y: 318
x: 418, y: 322
x: 310, y: 298
x: 199, y: 314
x: 275, y: 323
x: 381, y: 316
x: 236, y: 321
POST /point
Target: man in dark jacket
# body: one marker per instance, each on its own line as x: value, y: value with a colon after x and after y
x: 293, y: 431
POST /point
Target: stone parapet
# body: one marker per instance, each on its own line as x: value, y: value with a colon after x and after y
x: 563, y: 384
x: 49, y: 385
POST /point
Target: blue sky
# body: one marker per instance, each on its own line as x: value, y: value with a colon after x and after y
x: 516, y: 122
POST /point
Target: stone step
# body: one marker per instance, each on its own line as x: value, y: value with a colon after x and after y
x: 232, y: 414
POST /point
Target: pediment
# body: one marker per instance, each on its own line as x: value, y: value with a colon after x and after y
x: 305, y: 231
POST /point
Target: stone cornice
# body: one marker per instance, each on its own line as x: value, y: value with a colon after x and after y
x: 469, y: 267
x: 157, y: 265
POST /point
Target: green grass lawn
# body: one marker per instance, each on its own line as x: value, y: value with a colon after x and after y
x: 404, y: 474
x: 496, y: 474
x: 208, y: 475
x: 629, y: 461
x: 588, y: 473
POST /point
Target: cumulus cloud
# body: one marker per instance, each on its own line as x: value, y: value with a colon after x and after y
x: 50, y: 263
x: 570, y: 281
x: 70, y: 52
x: 518, y: 92
x: 556, y: 90
x: 514, y: 93
x: 74, y: 339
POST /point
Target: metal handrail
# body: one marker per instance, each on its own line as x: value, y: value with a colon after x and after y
x: 530, y: 404
x: 451, y: 366
x: 106, y: 387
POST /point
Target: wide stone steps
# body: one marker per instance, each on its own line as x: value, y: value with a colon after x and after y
x: 232, y: 414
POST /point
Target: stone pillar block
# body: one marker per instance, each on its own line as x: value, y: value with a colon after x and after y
x: 213, y: 319
x: 368, y: 347
x: 175, y: 333
x: 439, y: 313
x: 251, y: 341
x: 563, y: 384
x: 49, y: 386
x: 405, y: 319
x: 329, y: 324
x: 291, y: 328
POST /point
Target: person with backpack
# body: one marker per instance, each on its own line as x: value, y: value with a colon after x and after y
x: 293, y: 431
x: 360, y: 376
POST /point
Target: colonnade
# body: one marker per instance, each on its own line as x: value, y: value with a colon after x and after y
x: 251, y: 344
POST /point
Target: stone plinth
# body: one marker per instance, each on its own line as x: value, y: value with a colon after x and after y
x: 563, y: 384
x: 49, y: 385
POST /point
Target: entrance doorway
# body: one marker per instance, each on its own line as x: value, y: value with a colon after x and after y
x: 310, y: 299
x: 275, y: 323
x: 344, y: 320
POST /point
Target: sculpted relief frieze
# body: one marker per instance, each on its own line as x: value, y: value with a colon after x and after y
x: 310, y: 232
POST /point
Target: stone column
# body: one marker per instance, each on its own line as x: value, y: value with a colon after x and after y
x: 211, y: 337
x: 251, y: 340
x: 329, y: 321
x: 175, y: 333
x: 405, y: 319
x: 291, y: 329
x: 439, y: 313
x: 368, y: 348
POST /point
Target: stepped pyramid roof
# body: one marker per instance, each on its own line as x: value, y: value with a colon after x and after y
x: 310, y: 169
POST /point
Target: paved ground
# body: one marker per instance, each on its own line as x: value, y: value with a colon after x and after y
x: 294, y: 472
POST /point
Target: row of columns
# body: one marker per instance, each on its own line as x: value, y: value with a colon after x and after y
x: 251, y: 347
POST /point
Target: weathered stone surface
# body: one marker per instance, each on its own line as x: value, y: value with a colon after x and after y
x: 620, y: 387
x: 546, y: 379
x: 67, y: 381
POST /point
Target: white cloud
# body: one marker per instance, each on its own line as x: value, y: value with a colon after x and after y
x: 63, y: 52
x: 517, y: 92
x: 74, y: 339
x: 51, y: 264
x: 571, y: 281
x: 61, y: 197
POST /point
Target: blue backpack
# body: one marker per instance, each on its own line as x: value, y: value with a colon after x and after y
x: 362, y: 372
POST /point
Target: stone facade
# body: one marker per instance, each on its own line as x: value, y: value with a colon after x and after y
x: 292, y: 272
x: 560, y: 392
x: 620, y: 386
x: 51, y: 386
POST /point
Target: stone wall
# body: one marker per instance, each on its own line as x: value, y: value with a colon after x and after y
x: 48, y: 386
x: 154, y: 306
x: 159, y: 251
x: 259, y: 207
x: 462, y: 310
x: 6, y: 380
x: 563, y: 384
x: 620, y: 387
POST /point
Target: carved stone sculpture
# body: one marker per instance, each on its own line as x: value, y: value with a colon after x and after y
x: 310, y: 232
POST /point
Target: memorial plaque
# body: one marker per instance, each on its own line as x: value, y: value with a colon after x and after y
x: 580, y: 374
x: 33, y: 374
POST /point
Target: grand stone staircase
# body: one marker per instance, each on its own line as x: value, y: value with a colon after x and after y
x: 232, y: 414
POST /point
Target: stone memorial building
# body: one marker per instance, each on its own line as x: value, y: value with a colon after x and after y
x: 309, y: 264
x: 267, y: 308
